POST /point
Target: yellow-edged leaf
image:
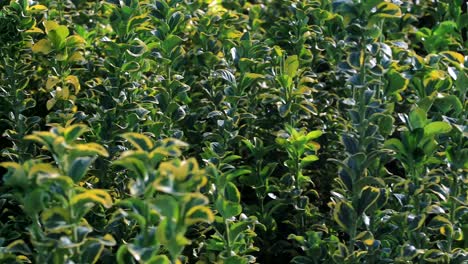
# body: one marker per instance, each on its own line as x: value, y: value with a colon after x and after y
x: 73, y: 80
x: 51, y: 82
x: 96, y: 195
x: 34, y: 30
x: 454, y: 56
x: 388, y: 10
x: 197, y: 214
x: 139, y: 141
x: 44, y: 168
x: 74, y: 131
x: 433, y: 75
x: 91, y: 149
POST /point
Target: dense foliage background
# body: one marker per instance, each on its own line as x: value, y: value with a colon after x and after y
x: 234, y: 131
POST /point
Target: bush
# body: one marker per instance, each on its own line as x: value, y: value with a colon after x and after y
x: 177, y: 131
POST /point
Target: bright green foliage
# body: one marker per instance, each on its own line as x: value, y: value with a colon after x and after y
x: 233, y: 131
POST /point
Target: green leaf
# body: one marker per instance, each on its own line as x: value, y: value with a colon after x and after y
x: 236, y: 173
x: 167, y: 207
x: 91, y: 251
x: 131, y: 66
x: 170, y: 43
x: 417, y: 119
x: 123, y: 256
x: 314, y: 134
x: 449, y: 102
x: 436, y: 256
x: 236, y: 260
x: 291, y: 66
x: 368, y: 197
x: 438, y: 127
x: 385, y: 124
x: 34, y: 201
x: 396, y: 145
x: 159, y: 259
x: 228, y: 209
x: 309, y: 159
x: 57, y: 36
x: 79, y: 167
x: 345, y: 215
x: 236, y: 230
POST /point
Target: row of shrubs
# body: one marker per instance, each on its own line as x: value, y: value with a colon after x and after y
x: 233, y: 131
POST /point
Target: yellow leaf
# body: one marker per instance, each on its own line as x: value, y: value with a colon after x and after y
x: 58, y: 92
x: 50, y: 103
x: 37, y: 8
x: 65, y: 93
x: 76, y: 57
x: 442, y: 230
x: 42, y: 46
x: 234, y: 34
x: 50, y: 25
x: 75, y: 40
x: 51, y: 82
x: 369, y: 242
x: 72, y: 79
x: 61, y: 56
x: 254, y: 75
x: 10, y: 165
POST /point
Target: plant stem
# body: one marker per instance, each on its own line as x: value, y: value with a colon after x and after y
x: 228, y: 238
